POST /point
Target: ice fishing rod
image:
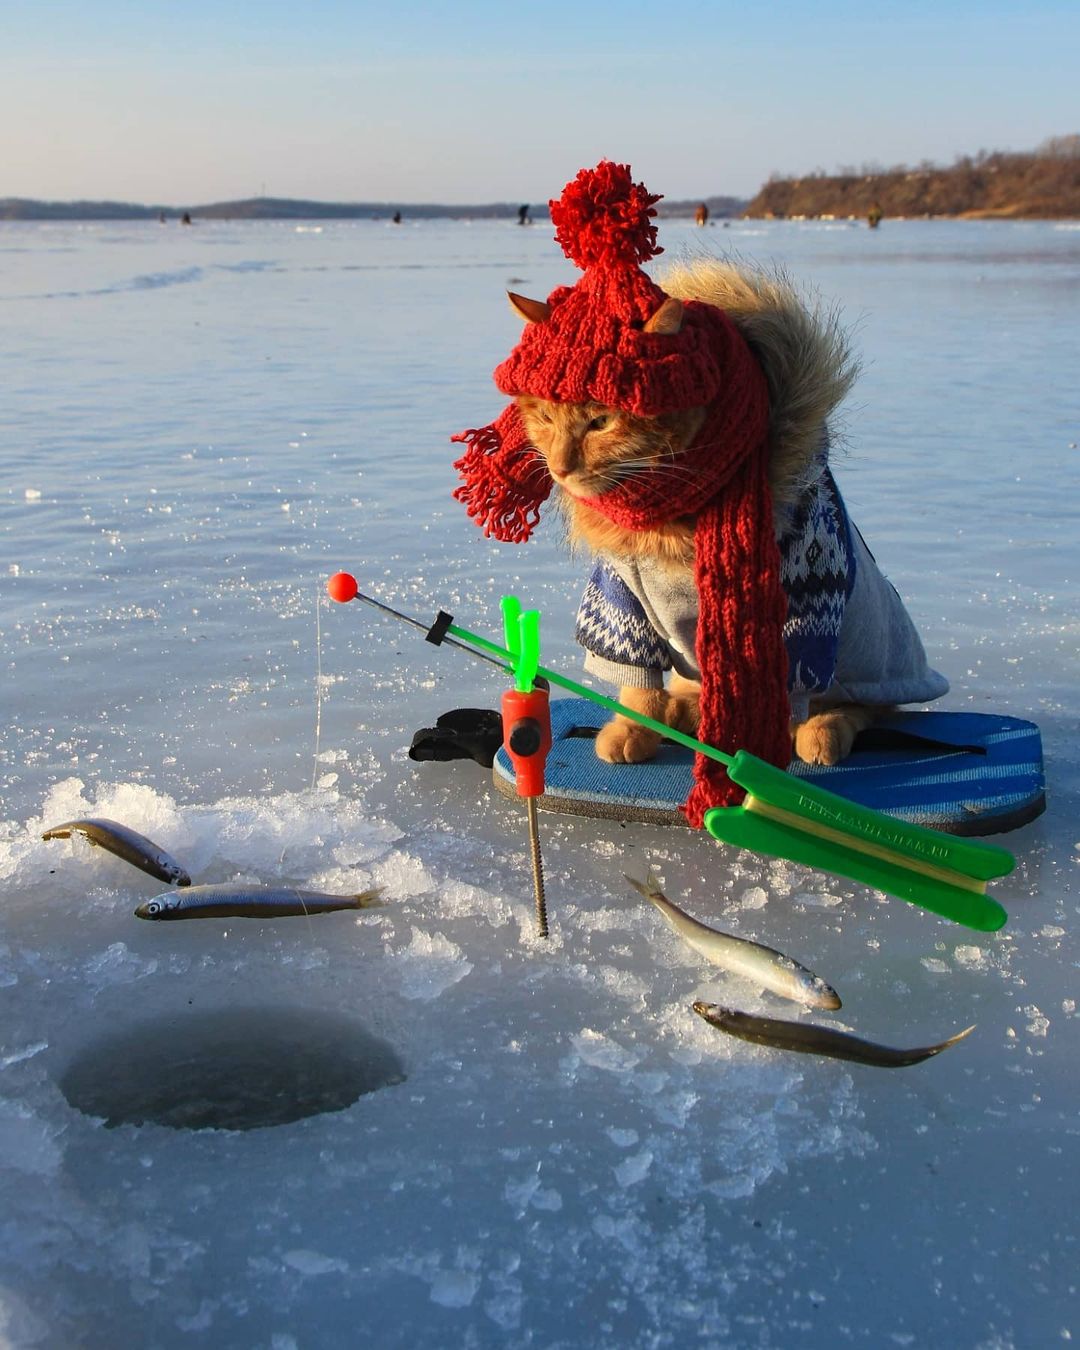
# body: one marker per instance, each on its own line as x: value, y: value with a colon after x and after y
x: 526, y: 715
x: 787, y: 817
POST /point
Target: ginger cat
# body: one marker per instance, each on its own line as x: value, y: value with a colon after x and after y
x: 588, y: 449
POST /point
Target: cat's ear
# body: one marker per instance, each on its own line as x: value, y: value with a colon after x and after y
x: 667, y: 319
x: 532, y: 311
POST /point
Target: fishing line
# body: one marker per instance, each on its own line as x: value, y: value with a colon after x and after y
x: 307, y: 916
x: 318, y: 726
x: 318, y: 685
x: 318, y: 707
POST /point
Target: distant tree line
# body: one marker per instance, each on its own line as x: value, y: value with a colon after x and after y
x: 1042, y: 183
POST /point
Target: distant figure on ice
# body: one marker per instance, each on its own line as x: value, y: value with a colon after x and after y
x: 185, y: 219
x: 161, y: 217
x: 397, y: 217
x: 874, y: 215
x: 701, y: 215
x: 523, y: 215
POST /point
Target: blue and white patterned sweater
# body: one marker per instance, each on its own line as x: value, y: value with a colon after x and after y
x: 847, y: 634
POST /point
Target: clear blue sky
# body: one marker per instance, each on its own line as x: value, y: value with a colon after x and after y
x: 193, y: 101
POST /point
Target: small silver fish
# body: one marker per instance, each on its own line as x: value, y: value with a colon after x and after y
x: 816, y: 1040
x: 229, y: 901
x: 767, y: 967
x: 134, y: 848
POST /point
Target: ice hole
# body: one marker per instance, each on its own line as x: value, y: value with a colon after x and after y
x: 234, y: 1069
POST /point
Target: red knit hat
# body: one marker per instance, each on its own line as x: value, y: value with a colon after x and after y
x: 590, y: 344
x: 593, y: 347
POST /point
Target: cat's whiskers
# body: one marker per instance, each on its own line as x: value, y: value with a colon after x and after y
x: 620, y: 470
x: 673, y: 471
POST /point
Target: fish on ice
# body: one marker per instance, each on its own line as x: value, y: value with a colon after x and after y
x: 229, y: 901
x: 767, y: 967
x: 125, y: 843
x: 810, y: 1039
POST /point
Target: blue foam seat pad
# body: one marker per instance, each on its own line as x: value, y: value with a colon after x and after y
x: 962, y: 772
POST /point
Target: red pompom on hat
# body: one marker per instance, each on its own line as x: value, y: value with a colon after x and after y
x: 604, y: 217
x: 591, y: 345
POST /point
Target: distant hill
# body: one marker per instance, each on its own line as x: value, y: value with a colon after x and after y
x: 286, y: 208
x: 1042, y: 184
x: 22, y: 208
x: 252, y: 208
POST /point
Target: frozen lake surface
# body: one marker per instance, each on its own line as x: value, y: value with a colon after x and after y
x: 198, y: 427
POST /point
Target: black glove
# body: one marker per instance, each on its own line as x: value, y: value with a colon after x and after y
x: 464, y: 733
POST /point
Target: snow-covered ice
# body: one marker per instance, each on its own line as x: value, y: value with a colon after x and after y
x: 531, y: 1143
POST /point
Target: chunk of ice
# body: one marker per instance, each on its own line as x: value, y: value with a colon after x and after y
x: 313, y: 1263
x: 601, y: 1052
x: 454, y: 1288
x: 430, y: 965
x: 634, y: 1169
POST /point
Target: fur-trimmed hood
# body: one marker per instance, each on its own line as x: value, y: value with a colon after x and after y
x: 802, y: 349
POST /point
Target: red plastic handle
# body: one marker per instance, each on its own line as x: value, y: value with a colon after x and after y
x: 526, y: 720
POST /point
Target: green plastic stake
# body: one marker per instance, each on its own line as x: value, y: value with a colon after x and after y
x: 522, y: 630
x: 511, y: 612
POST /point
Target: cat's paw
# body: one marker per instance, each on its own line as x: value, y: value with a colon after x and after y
x: 682, y: 707
x: 826, y: 738
x: 684, y: 714
x: 623, y: 742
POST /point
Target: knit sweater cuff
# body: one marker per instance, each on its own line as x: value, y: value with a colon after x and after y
x: 624, y: 677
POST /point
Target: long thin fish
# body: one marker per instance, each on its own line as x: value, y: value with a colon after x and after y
x: 815, y: 1040
x: 767, y: 967
x: 228, y: 901
x: 134, y: 848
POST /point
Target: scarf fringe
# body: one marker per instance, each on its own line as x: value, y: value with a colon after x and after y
x: 504, y: 482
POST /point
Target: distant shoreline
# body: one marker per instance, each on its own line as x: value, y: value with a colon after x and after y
x: 1043, y: 184
x: 286, y: 208
x: 32, y: 212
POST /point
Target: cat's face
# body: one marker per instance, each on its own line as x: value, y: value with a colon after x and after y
x: 590, y: 449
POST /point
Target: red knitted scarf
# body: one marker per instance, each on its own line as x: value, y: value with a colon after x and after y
x: 742, y: 604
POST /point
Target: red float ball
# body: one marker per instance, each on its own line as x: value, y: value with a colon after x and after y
x: 342, y: 587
